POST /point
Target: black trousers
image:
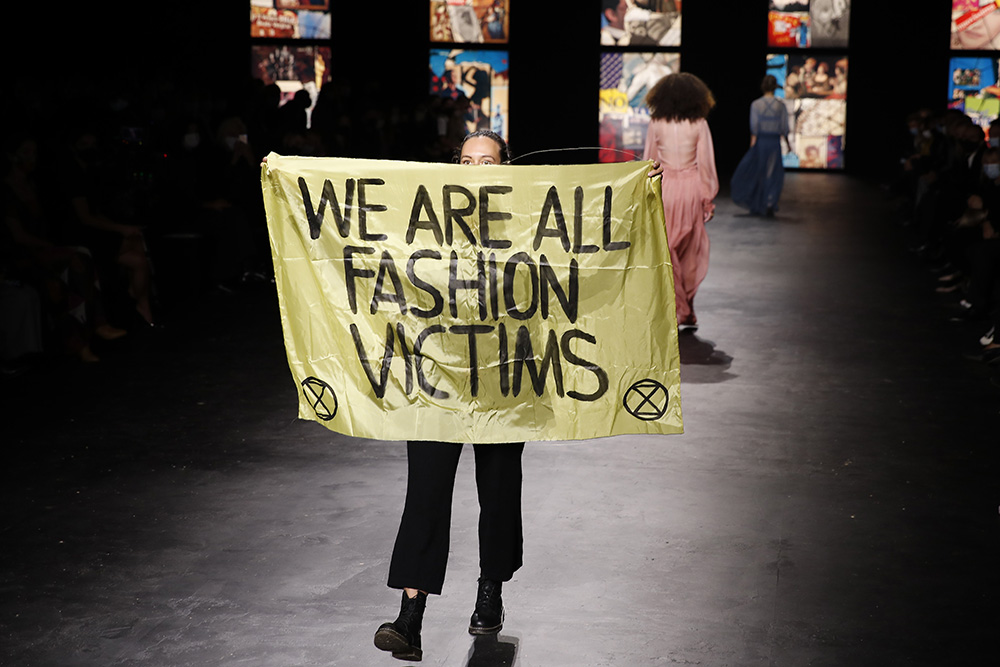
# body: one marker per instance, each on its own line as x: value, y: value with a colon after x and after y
x: 420, y: 556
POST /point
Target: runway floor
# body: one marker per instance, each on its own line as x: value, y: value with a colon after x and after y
x: 833, y: 501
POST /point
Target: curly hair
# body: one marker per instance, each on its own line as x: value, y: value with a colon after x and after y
x: 489, y: 134
x: 680, y: 96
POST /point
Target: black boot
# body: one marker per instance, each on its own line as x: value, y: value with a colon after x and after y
x: 487, y: 619
x: 402, y: 636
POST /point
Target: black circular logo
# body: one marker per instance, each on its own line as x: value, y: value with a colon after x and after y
x: 321, y: 397
x: 646, y: 400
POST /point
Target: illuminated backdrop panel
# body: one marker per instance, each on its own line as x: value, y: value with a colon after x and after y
x: 641, y: 22
x: 290, y: 19
x: 803, y: 24
x: 291, y: 67
x: 470, y: 21
x: 975, y: 27
x: 481, y: 78
x: 814, y: 88
x: 623, y: 115
x: 974, y: 89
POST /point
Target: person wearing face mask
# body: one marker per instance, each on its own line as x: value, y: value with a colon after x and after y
x: 980, y: 260
x: 971, y: 229
x: 946, y: 183
x: 975, y: 142
x: 991, y: 171
x: 233, y: 159
x: 119, y: 248
x: 200, y: 210
x: 993, y: 134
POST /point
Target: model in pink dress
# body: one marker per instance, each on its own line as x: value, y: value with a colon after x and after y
x: 684, y: 148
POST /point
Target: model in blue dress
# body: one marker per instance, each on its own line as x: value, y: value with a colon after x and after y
x: 756, y: 184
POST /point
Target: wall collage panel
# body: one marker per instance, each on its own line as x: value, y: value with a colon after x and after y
x: 973, y: 85
x: 469, y: 64
x: 808, y: 42
x: 290, y: 45
x: 640, y: 42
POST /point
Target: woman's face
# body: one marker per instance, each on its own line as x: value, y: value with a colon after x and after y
x: 480, y: 151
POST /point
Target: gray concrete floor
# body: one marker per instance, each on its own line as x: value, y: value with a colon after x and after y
x: 834, y: 500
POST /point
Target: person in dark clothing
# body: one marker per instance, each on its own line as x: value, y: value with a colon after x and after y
x: 63, y: 275
x: 117, y: 247
x: 420, y: 554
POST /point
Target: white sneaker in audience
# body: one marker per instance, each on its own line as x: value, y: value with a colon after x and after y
x: 987, y: 338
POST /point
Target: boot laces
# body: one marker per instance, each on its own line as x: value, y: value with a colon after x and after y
x: 489, y: 593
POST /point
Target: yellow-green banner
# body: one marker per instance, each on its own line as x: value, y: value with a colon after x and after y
x: 475, y: 304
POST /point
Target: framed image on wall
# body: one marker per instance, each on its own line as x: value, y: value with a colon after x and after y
x: 975, y: 25
x: 803, y: 24
x: 470, y: 21
x: 292, y: 68
x: 641, y: 23
x: 290, y: 19
x: 814, y: 88
x: 475, y: 84
x: 974, y: 88
x: 623, y: 115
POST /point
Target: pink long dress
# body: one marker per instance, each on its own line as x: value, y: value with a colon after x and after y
x: 690, y: 183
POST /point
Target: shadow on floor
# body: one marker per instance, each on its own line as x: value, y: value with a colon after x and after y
x: 493, y: 651
x: 697, y: 352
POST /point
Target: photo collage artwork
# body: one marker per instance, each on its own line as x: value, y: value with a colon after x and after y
x: 974, y: 89
x: 470, y: 21
x: 973, y: 86
x: 290, y: 19
x: 812, y: 77
x: 475, y: 80
x: 627, y: 75
x: 975, y: 25
x: 814, y: 88
x: 290, y: 58
x: 806, y: 24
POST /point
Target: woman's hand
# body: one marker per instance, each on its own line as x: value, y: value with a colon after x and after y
x: 656, y: 170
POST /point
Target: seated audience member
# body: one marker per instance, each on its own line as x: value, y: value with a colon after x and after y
x: 63, y: 275
x: 198, y: 198
x: 118, y: 249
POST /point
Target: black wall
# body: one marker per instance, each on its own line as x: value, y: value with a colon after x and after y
x: 896, y: 65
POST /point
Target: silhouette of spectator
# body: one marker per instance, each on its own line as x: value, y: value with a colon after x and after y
x: 199, y: 200
x: 63, y: 276
x: 263, y: 121
x: 294, y: 114
x: 119, y: 248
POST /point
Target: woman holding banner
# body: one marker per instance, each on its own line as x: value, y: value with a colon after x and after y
x: 679, y: 138
x: 420, y: 554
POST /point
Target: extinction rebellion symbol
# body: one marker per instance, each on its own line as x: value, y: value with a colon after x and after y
x: 321, y: 397
x: 646, y: 400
